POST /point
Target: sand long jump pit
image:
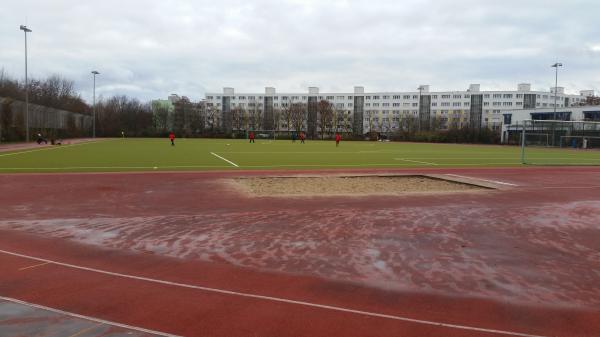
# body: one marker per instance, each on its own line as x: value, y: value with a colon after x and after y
x: 356, y: 185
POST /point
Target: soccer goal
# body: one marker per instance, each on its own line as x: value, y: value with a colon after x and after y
x: 261, y: 134
x: 560, y: 142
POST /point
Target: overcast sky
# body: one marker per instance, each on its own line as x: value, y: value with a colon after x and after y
x: 149, y: 49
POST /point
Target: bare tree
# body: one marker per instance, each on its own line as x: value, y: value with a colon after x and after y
x: 238, y: 118
x: 325, y: 111
x: 211, y: 117
x: 298, y: 115
x: 286, y: 115
x: 277, y: 119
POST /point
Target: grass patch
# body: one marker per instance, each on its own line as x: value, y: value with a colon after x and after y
x: 209, y: 154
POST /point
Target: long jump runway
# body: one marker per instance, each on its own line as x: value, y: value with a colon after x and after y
x: 184, y: 254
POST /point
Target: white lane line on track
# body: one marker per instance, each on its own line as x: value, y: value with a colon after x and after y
x: 487, y: 180
x: 34, y: 266
x: 416, y: 161
x: 88, y: 318
x: 55, y: 147
x: 225, y: 159
x: 277, y: 299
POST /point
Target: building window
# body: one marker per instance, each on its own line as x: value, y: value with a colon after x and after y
x: 406, y: 96
x: 497, y: 95
x: 507, y: 96
x: 457, y: 97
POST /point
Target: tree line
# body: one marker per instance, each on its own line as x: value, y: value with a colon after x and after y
x: 114, y: 115
x: 117, y: 115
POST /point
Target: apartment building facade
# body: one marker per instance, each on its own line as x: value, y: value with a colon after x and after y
x: 361, y: 112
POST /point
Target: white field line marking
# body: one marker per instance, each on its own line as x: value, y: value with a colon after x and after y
x: 370, y: 164
x: 275, y: 299
x: 55, y: 147
x: 35, y: 265
x: 110, y: 167
x: 487, y: 180
x: 82, y: 331
x: 416, y: 161
x: 516, y: 163
x: 227, y: 160
x: 88, y: 318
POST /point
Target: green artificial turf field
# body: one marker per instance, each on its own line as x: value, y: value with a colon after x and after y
x: 204, y: 154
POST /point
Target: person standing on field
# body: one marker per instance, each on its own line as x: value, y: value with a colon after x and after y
x: 337, y: 139
x: 172, y: 138
x: 302, y: 137
x: 251, y: 136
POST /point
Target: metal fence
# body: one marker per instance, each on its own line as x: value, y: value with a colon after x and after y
x: 41, y: 118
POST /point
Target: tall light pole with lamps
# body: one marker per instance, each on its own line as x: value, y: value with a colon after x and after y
x: 94, y: 72
x: 26, y: 30
x: 420, y: 88
x: 555, y: 65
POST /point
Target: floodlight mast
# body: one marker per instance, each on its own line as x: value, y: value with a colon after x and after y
x: 420, y: 88
x: 26, y: 30
x: 555, y: 65
x: 94, y: 72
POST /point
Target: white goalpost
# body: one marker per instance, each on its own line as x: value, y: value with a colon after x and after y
x: 550, y: 136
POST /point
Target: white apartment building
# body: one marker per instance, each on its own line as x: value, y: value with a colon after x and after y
x: 361, y: 112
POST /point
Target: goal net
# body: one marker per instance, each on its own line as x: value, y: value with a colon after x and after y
x: 560, y: 142
x: 260, y: 134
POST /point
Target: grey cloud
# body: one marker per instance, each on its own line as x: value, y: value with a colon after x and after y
x: 149, y: 49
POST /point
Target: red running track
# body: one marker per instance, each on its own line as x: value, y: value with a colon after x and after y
x: 522, y: 260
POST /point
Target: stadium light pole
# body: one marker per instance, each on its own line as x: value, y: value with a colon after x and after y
x: 26, y: 30
x: 94, y: 73
x: 420, y: 88
x: 555, y: 65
